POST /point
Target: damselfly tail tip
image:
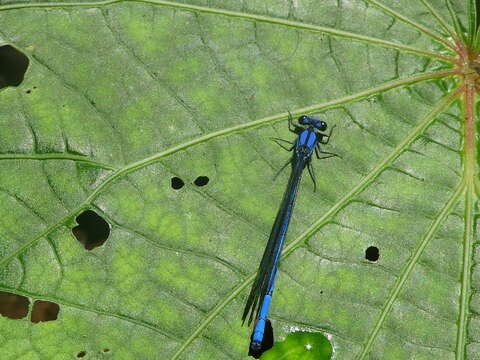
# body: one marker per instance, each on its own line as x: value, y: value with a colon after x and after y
x: 257, y: 348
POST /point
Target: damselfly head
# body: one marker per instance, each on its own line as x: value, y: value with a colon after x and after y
x: 321, y: 125
x: 304, y: 120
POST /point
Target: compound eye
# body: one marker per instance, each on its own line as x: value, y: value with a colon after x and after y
x: 303, y: 120
x: 321, y: 125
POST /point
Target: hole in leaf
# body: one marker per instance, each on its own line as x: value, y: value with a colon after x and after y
x: 201, y: 181
x: 267, y: 341
x: 13, y: 65
x: 81, y: 354
x: 372, y: 253
x: 92, y: 230
x: 177, y: 183
x: 28, y: 91
x: 13, y: 306
x: 106, y: 350
x: 44, y: 311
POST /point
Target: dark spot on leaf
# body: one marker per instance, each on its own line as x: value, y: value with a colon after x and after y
x: 321, y: 292
x: 44, y: 311
x: 13, y: 306
x: 267, y: 342
x: 177, y: 183
x: 13, y: 65
x: 93, y: 102
x: 92, y: 230
x: 28, y: 91
x: 201, y: 181
x: 106, y: 350
x: 81, y: 354
x: 372, y: 253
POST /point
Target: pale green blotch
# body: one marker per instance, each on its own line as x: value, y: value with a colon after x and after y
x: 30, y: 355
x: 152, y: 192
x: 66, y: 244
x: 131, y: 206
x: 219, y: 33
x: 85, y: 279
x: 169, y: 228
x: 127, y: 268
x: 13, y: 347
x: 141, y: 109
x: 42, y: 270
x: 281, y: 41
x: 46, y: 123
x: 182, y: 70
x: 143, y: 345
x: 108, y: 86
x: 138, y: 30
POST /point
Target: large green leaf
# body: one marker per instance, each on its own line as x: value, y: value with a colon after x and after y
x: 121, y: 96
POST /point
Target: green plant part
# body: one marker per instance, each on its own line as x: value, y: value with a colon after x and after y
x: 125, y: 104
x: 301, y: 346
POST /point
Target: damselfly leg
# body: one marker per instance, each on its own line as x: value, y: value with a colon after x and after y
x: 276, y: 140
x: 327, y: 136
x: 329, y: 154
x: 281, y: 169
x: 292, y: 127
x: 312, y: 175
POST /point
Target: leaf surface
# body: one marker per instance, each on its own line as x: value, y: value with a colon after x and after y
x: 122, y: 96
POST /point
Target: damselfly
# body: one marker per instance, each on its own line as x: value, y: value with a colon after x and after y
x: 310, y: 136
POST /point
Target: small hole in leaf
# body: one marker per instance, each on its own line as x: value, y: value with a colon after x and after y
x: 28, y: 91
x: 44, y: 311
x: 92, y: 230
x: 106, y: 350
x: 13, y: 306
x: 201, y: 181
x: 13, y: 65
x: 177, y: 183
x: 372, y: 253
x: 81, y: 354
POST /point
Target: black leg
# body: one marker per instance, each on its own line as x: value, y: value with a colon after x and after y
x: 290, y: 122
x: 291, y: 126
x: 281, y: 169
x: 312, y: 175
x: 274, y: 138
x: 328, y: 136
x: 281, y: 145
x: 329, y: 156
x: 318, y: 151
